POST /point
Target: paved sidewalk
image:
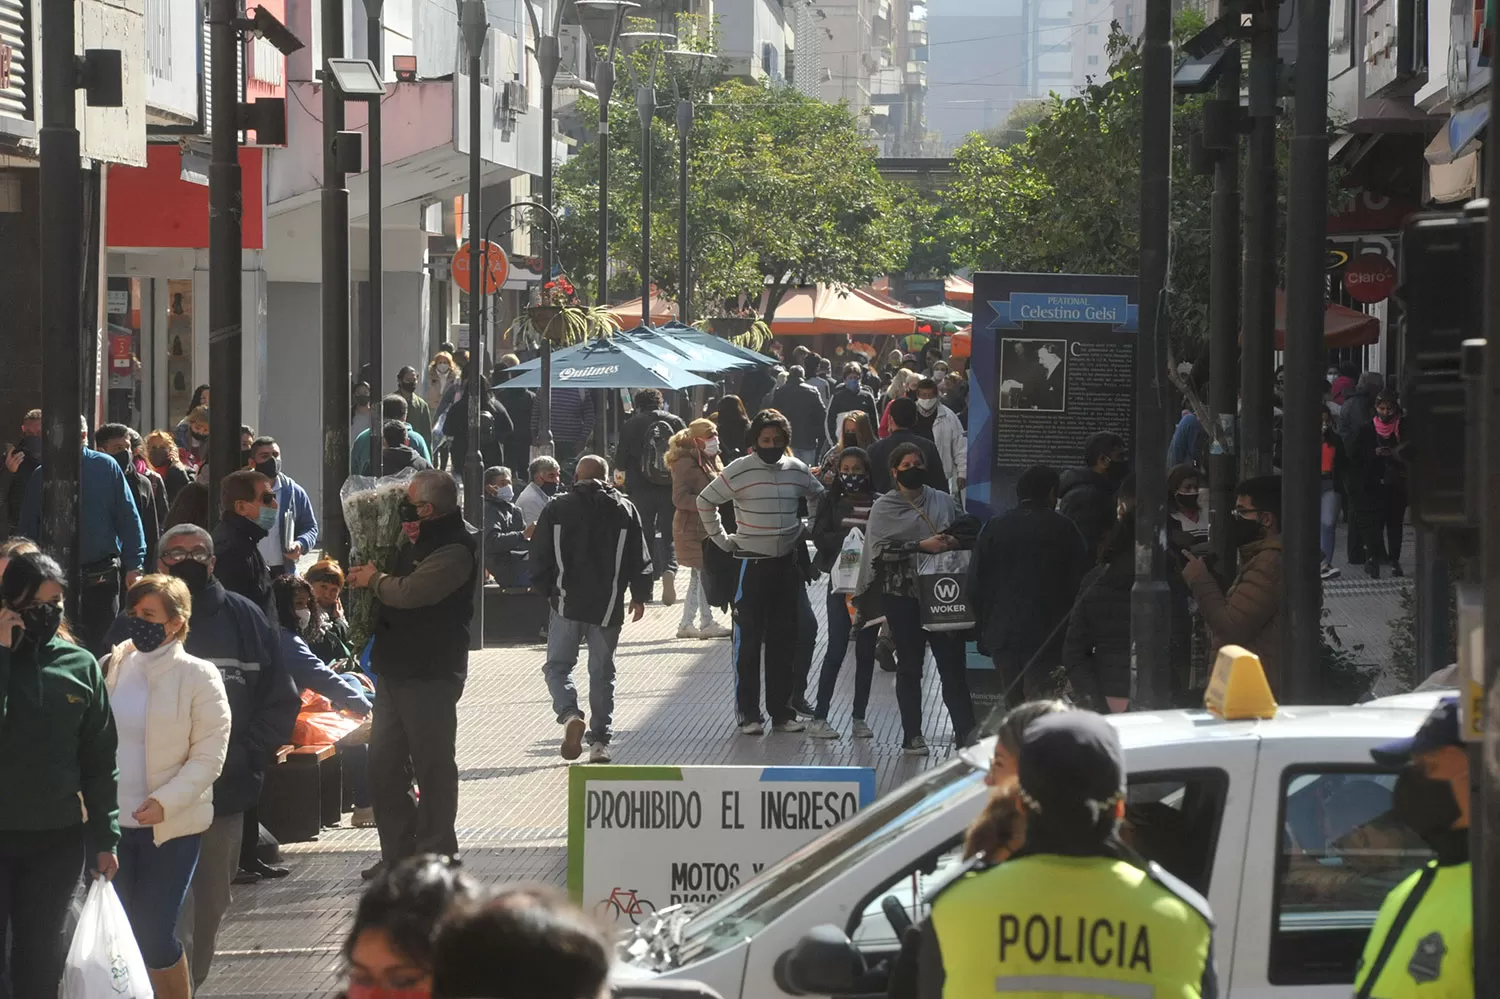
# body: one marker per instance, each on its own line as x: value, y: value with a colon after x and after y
x: 674, y: 706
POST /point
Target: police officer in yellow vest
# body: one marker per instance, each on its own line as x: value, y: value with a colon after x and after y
x: 1074, y: 912
x: 1422, y: 944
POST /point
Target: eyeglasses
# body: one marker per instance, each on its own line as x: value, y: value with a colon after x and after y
x: 267, y: 499
x: 1247, y: 513
x: 174, y: 555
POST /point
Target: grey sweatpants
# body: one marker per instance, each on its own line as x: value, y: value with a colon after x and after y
x: 208, y: 894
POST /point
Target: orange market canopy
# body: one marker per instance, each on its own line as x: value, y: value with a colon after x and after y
x: 628, y: 314
x: 963, y: 342
x: 825, y: 309
x: 958, y: 291
x: 1342, y: 326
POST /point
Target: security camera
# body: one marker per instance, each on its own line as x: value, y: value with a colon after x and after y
x: 265, y: 24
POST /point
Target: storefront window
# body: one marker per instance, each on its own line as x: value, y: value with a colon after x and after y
x: 178, y: 343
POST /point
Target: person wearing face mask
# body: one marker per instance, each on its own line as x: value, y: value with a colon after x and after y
x: 643, y: 454
x: 940, y: 425
x: 1380, y: 499
x: 421, y: 654
x: 111, y: 540
x: 850, y: 395
x: 235, y: 635
x: 1188, y: 496
x: 694, y: 460
x: 545, y: 483
x: 1249, y: 613
x: 161, y: 455
x: 397, y: 454
x: 57, y: 745
x: 442, y: 375
x: 504, y: 530
x: 418, y: 412
x: 295, y: 610
x: 1422, y: 943
x: 167, y: 776
x: 855, y: 431
x: 249, y: 512
x: 1086, y: 495
x: 844, y: 507
x: 192, y: 437
x: 392, y: 407
x: 903, y: 415
x: 330, y: 640
x: 767, y: 489
x: 389, y: 951
x: 113, y: 439
x: 802, y: 405
x: 24, y: 459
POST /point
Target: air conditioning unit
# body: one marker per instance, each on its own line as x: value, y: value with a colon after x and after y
x: 514, y: 98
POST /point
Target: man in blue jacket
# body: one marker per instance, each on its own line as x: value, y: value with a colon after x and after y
x: 291, y: 500
x: 233, y: 634
x: 110, y: 539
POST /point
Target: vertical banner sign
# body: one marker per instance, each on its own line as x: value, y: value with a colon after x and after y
x: 1053, y: 361
x: 645, y: 838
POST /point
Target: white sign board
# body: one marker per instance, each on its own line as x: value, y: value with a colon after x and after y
x: 172, y: 36
x: 644, y: 838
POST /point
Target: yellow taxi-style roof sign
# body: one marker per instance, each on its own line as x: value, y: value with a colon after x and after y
x: 1238, y: 687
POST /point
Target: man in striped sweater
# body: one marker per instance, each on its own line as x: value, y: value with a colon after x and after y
x: 766, y: 487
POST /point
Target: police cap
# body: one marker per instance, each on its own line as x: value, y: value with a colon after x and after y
x: 1438, y: 729
x: 1070, y: 759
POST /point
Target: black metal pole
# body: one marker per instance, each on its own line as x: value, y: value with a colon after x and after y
x: 1432, y: 591
x: 1224, y: 320
x: 336, y: 387
x: 475, y: 26
x: 604, y: 86
x: 684, y: 265
x: 1150, y: 607
x: 645, y: 106
x: 61, y: 202
x: 1306, y: 357
x: 548, y: 59
x: 225, y: 210
x: 1259, y: 288
x: 375, y: 33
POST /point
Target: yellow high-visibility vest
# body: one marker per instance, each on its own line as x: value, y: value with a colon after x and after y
x: 1061, y: 926
x: 1432, y: 956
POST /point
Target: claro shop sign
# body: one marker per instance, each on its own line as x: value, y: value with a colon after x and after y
x: 641, y: 839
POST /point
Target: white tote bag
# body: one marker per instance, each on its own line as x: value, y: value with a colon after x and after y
x: 845, y: 574
x: 103, y: 960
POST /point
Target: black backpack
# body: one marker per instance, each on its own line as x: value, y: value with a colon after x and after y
x: 653, y: 461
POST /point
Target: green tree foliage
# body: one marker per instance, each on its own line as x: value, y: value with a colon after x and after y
x: 786, y: 177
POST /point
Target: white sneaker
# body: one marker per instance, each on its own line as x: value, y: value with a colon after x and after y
x: 819, y: 728
x: 862, y: 729
x: 790, y: 725
x: 688, y: 631
x: 714, y: 629
x: 599, y: 753
x: 668, y: 588
x: 752, y: 728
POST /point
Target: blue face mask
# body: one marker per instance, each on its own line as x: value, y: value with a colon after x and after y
x: 266, y: 518
x: 852, y: 384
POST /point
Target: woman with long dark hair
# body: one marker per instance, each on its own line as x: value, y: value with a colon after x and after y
x: 389, y: 950
x: 734, y: 427
x: 57, y: 746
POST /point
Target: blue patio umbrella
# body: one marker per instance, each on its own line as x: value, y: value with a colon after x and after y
x: 689, y: 334
x: 683, y: 353
x: 608, y: 363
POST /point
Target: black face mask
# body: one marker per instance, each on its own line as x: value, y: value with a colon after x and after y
x: 410, y: 386
x: 32, y: 445
x: 851, y: 440
x: 197, y: 436
x: 550, y: 488
x: 770, y: 455
x: 270, y: 468
x: 855, y: 482
x: 409, y: 512
x: 1118, y: 469
x: 1246, y: 531
x: 159, y: 456
x: 1188, y: 501
x: 41, y: 622
x: 127, y: 463
x: 911, y: 478
x: 1425, y: 805
x: 194, y: 574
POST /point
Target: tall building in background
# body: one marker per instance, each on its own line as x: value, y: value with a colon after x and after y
x: 978, y: 66
x: 1093, y: 21
x: 1049, y: 39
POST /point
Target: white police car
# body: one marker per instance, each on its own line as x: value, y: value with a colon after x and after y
x: 1282, y: 822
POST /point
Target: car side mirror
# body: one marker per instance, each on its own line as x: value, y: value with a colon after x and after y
x: 824, y: 962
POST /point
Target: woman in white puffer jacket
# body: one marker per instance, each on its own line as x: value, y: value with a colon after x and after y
x: 172, y: 717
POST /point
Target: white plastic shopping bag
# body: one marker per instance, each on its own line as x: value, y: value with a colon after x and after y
x: 103, y: 960
x: 845, y: 572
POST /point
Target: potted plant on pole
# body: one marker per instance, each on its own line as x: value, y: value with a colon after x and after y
x: 557, y: 315
x: 739, y: 324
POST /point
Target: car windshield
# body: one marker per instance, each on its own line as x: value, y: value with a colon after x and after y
x: 742, y: 913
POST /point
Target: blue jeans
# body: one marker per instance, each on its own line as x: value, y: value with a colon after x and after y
x: 839, y: 627
x: 563, y: 639
x: 1328, y: 515
x: 151, y: 884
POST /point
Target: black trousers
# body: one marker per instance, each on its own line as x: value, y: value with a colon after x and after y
x: 904, y: 615
x: 766, y: 618
x: 414, y: 734
x: 38, y: 875
x: 98, y: 606
x: 1038, y: 682
x: 657, y: 510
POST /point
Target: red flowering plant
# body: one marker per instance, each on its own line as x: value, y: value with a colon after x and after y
x: 558, y: 292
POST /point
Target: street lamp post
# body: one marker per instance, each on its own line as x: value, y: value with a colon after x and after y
x: 684, y: 266
x: 335, y: 332
x: 374, y: 34
x: 475, y: 26
x: 645, y: 106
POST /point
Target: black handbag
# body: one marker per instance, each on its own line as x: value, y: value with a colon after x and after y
x: 720, y: 575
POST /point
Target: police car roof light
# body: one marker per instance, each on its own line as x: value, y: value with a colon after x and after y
x: 1238, y: 687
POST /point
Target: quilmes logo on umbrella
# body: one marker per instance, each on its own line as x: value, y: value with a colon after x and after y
x: 594, y: 371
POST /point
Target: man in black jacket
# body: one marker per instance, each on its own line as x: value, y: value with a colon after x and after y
x: 233, y: 634
x: 247, y: 513
x: 421, y: 654
x: 505, y: 531
x: 904, y: 416
x: 850, y: 395
x: 1024, y: 574
x: 24, y: 459
x: 1087, y: 495
x: 589, y: 546
x: 800, y: 403
x: 518, y: 402
x: 642, y: 456
x: 398, y: 453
